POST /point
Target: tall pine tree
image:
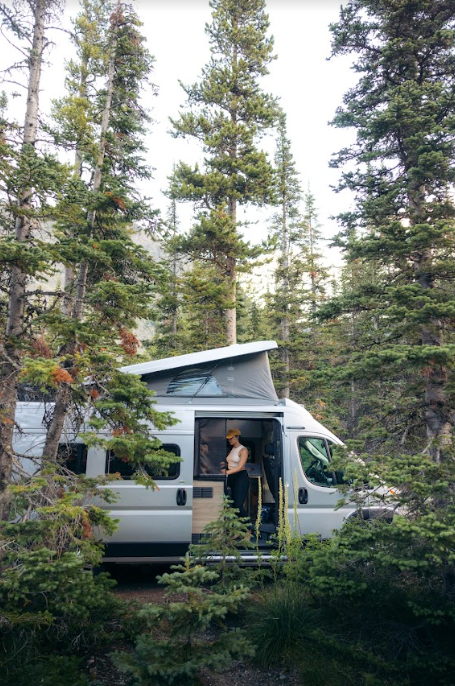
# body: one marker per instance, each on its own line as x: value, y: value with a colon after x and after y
x: 403, y: 110
x: 228, y: 114
x: 110, y: 280
x: 299, y: 274
x: 286, y: 232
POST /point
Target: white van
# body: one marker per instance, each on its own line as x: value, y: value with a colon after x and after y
x: 209, y: 393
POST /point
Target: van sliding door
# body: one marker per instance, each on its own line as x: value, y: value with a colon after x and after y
x: 153, y: 523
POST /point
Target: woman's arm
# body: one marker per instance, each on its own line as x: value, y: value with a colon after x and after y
x: 243, y: 455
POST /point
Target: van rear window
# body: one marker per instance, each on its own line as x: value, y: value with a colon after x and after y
x: 73, y: 456
x: 126, y: 470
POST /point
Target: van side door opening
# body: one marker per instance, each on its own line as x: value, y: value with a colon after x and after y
x: 262, y: 438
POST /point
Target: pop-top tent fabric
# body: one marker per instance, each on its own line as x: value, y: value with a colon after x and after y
x: 237, y: 371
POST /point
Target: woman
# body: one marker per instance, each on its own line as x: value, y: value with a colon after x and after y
x: 237, y: 476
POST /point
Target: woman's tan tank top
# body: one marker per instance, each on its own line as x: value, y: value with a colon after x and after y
x: 233, y: 458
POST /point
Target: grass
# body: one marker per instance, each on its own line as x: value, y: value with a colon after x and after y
x: 282, y: 625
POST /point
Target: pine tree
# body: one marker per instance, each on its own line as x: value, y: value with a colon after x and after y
x: 203, y: 295
x: 299, y: 275
x: 115, y: 278
x: 229, y: 113
x: 318, y: 274
x: 86, y: 330
x: 179, y: 649
x: 29, y: 179
x: 403, y: 225
x: 106, y: 296
x: 286, y: 230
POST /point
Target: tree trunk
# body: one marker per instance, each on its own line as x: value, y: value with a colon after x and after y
x: 231, y: 312
x: 97, y: 177
x: 17, y: 294
x: 312, y: 265
x: 438, y: 422
x: 174, y: 315
x: 437, y: 417
x: 285, y: 323
x: 69, y: 275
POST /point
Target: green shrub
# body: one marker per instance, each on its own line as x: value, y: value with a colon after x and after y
x: 50, y: 670
x: 175, y: 646
x: 52, y: 606
x: 225, y: 536
x: 390, y: 587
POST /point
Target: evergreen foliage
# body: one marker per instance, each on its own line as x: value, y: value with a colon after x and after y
x: 52, y: 606
x: 300, y: 281
x: 29, y: 185
x: 375, y: 604
x: 85, y: 330
x: 224, y: 537
x: 175, y: 645
x: 393, y: 583
x: 403, y: 223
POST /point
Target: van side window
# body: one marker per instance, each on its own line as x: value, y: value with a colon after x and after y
x: 315, y: 461
x: 73, y: 456
x: 126, y: 470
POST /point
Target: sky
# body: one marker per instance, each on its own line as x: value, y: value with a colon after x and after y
x: 309, y: 86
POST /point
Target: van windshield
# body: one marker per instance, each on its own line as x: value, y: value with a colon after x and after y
x: 315, y: 460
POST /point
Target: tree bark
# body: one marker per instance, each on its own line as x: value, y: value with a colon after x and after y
x: 69, y: 275
x: 439, y: 426
x: 231, y: 312
x: 174, y: 315
x: 285, y: 323
x: 11, y: 363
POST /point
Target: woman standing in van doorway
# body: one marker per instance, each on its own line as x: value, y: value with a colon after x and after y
x: 237, y: 476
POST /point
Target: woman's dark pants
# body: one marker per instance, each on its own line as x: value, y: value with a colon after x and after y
x: 239, y: 484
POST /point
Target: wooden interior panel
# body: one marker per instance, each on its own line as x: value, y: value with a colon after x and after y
x: 205, y: 510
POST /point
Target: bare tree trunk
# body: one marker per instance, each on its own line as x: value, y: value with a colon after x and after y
x: 231, y: 312
x: 17, y: 296
x: 63, y: 396
x: 69, y: 275
x: 231, y: 274
x: 285, y: 323
x: 174, y: 316
x: 312, y: 266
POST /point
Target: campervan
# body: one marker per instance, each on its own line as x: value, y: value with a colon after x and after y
x: 209, y: 393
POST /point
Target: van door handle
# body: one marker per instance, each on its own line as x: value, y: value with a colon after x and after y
x: 181, y: 497
x: 303, y: 496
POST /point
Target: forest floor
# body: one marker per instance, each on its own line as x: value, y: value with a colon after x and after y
x: 140, y: 586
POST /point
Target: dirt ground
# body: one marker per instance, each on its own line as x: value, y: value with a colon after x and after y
x: 141, y: 586
x: 247, y: 674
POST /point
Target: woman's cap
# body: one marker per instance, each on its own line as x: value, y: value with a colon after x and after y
x: 233, y: 432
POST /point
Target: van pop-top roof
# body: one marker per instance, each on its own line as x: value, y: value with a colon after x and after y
x: 236, y: 371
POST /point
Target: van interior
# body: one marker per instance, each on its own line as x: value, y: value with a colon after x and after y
x: 262, y: 438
